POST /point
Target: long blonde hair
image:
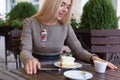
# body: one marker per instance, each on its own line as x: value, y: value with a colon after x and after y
x: 49, y: 10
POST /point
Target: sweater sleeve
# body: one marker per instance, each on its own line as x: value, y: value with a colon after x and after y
x: 76, y: 46
x: 26, y: 41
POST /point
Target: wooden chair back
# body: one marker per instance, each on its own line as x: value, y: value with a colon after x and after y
x: 15, y: 42
x: 105, y: 41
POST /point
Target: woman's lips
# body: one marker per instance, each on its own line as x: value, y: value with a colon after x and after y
x: 61, y: 15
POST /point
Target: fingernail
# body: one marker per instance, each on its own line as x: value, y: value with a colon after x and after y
x: 35, y: 72
x: 30, y: 72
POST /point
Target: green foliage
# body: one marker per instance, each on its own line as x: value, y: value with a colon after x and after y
x: 67, y: 54
x: 19, y: 12
x: 17, y: 23
x: 98, y: 14
x: 74, y: 23
x: 2, y: 23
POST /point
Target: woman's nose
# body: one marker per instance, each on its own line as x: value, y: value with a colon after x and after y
x: 65, y: 9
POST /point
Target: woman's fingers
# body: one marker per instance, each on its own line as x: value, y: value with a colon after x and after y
x: 31, y: 66
x: 112, y: 66
x: 27, y: 69
x: 38, y: 65
x: 34, y: 66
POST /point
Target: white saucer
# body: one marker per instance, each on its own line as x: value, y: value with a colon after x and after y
x: 77, y: 75
x: 78, y: 65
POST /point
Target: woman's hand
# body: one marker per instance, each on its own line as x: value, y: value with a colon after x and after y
x: 110, y: 65
x: 31, y: 66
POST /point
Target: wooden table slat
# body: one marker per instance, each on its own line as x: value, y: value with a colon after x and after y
x: 17, y: 77
x: 47, y: 75
x: 5, y: 77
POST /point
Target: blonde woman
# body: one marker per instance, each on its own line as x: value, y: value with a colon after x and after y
x: 45, y: 33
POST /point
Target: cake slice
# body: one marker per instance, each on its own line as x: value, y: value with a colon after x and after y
x: 67, y: 61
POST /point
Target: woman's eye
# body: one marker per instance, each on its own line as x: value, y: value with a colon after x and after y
x: 68, y: 7
x: 62, y: 5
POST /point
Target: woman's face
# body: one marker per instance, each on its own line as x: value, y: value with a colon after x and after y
x: 63, y: 9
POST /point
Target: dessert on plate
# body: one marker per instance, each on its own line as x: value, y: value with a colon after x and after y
x: 67, y: 61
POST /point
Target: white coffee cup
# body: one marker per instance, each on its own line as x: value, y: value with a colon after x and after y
x: 100, y: 66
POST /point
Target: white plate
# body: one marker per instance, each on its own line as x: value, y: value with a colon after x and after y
x: 77, y: 75
x: 78, y: 65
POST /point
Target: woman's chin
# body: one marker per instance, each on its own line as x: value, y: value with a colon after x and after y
x: 59, y: 18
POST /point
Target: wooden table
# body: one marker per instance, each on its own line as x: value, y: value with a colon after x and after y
x: 54, y: 75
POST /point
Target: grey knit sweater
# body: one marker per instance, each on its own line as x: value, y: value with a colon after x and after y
x: 57, y: 35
